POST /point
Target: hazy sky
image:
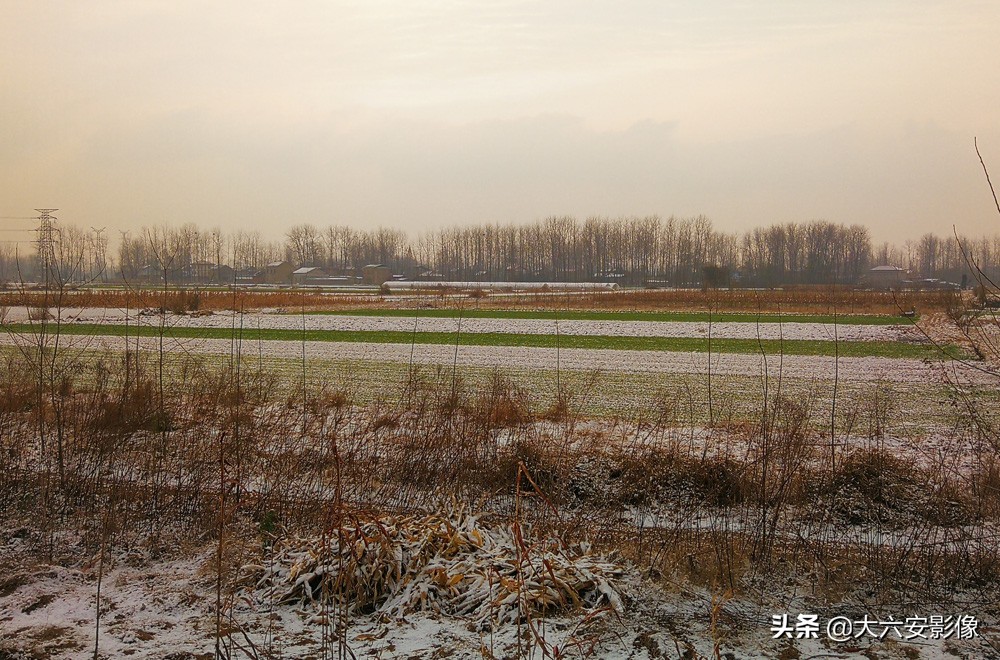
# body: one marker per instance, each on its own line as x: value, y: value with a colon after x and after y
x: 421, y: 114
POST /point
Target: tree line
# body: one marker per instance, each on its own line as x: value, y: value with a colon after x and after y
x: 631, y: 250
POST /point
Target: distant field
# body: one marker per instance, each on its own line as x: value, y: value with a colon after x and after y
x: 811, y: 302
x: 918, y: 408
x: 577, y: 315
x: 672, y: 344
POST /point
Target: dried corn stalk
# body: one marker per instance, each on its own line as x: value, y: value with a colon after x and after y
x: 451, y: 565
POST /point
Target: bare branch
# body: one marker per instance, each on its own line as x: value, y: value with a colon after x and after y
x: 975, y: 142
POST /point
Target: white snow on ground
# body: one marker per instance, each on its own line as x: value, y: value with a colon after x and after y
x: 152, y: 608
x: 625, y: 361
x: 165, y: 608
x: 726, y: 330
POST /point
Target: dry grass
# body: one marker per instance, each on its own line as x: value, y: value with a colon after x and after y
x: 119, y: 453
x: 186, y: 300
x: 437, y: 436
x: 791, y: 300
x: 448, y: 564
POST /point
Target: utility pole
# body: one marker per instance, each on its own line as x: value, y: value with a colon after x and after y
x: 46, y: 242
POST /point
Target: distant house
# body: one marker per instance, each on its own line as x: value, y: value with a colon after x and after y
x: 308, y: 275
x: 615, y: 276
x: 276, y: 272
x: 221, y: 274
x: 428, y: 275
x: 154, y: 273
x: 150, y: 273
x: 931, y: 283
x: 885, y: 277
x: 201, y: 271
x: 375, y: 274
x: 248, y: 275
x: 209, y: 272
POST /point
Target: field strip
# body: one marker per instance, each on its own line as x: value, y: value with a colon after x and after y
x: 917, y: 408
x: 589, y: 315
x: 627, y: 361
x: 662, y: 324
x: 698, y: 344
x: 792, y: 331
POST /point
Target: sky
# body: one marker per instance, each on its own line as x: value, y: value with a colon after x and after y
x: 418, y: 115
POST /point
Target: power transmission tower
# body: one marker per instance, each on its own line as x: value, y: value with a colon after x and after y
x: 101, y: 252
x: 46, y: 242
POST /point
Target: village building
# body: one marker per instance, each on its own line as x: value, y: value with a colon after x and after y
x: 201, y: 271
x: 885, y: 277
x: 375, y: 274
x: 221, y: 274
x: 276, y: 272
x: 308, y: 275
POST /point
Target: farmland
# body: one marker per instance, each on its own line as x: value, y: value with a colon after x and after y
x: 621, y: 316
x: 500, y: 331
x: 682, y: 344
x: 707, y: 467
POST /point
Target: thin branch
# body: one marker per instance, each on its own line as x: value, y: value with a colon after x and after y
x: 975, y: 142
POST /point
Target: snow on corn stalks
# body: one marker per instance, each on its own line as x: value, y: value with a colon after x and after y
x: 395, y: 565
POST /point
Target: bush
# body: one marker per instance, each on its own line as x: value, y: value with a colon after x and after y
x: 872, y: 486
x: 39, y: 314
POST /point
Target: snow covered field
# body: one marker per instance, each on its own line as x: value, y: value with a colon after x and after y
x: 720, y: 364
x: 163, y: 608
x: 158, y: 596
x: 724, y: 330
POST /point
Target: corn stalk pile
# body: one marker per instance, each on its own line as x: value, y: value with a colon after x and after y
x: 395, y: 565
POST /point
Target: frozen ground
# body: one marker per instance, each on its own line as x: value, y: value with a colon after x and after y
x: 163, y: 607
x: 607, y: 360
x: 727, y: 330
